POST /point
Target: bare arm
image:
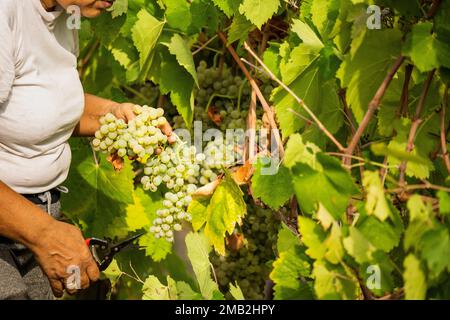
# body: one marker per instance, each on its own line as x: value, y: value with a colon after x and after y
x: 21, y: 220
x: 56, y: 245
x: 96, y: 107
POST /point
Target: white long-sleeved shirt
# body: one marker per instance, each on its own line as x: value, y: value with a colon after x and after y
x: 41, y: 97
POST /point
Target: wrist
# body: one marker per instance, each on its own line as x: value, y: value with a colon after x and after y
x: 40, y: 225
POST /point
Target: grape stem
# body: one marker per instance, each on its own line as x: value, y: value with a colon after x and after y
x: 259, y: 94
x: 87, y: 58
x: 94, y: 155
x: 373, y: 106
x: 204, y: 45
x: 250, y: 141
x: 299, y: 101
x: 217, y: 95
x: 445, y: 153
x: 417, y: 121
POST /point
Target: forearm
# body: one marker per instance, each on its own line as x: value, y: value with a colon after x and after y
x: 21, y: 220
x: 94, y: 108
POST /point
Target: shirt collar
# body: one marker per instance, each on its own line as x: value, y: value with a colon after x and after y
x: 49, y: 17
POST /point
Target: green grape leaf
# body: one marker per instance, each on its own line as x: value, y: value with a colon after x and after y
x: 435, y: 249
x: 229, y: 7
x: 185, y: 292
x: 418, y: 209
x: 414, y: 278
x: 307, y: 34
x: 325, y: 218
x: 106, y: 28
x: 239, y: 29
x: 118, y: 8
x: 393, y: 151
x: 376, y: 203
x: 259, y: 11
x: 324, y: 14
x: 123, y: 51
x: 363, y: 72
x: 444, y: 202
x: 226, y: 208
x: 335, y: 252
x: 204, y: 16
x: 180, y: 49
x: 358, y: 246
x: 145, y: 35
x: 313, y: 237
x: 178, y: 14
x: 113, y: 273
x: 274, y: 189
x: 197, y: 209
x: 319, y: 95
x: 332, y: 282
x: 377, y: 274
x: 102, y: 176
x: 296, y: 61
x: 381, y: 234
x: 272, y: 59
x: 286, y: 239
x: 289, y: 273
x: 141, y: 214
x: 298, y: 151
x: 334, y: 182
x: 153, y: 289
x: 420, y: 166
x: 110, y: 192
x: 174, y: 79
x: 157, y: 249
x: 236, y: 292
x: 198, y: 249
x: 428, y: 51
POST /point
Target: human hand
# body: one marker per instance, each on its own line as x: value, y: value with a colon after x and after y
x: 125, y: 112
x: 59, y: 251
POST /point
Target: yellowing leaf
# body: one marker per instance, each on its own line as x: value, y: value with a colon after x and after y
x: 226, y: 208
x: 376, y: 202
x: 358, y: 246
x: 414, y: 277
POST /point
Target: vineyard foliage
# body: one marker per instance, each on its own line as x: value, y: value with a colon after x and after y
x: 359, y: 204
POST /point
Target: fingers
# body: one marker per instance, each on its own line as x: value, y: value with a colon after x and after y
x: 167, y: 130
x: 92, y: 272
x: 57, y: 287
x: 84, y: 281
x: 100, y: 5
x: 129, y: 114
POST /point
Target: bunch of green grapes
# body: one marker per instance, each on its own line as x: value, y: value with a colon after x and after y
x: 218, y: 81
x: 177, y: 167
x: 222, y: 153
x: 250, y: 266
x: 140, y: 138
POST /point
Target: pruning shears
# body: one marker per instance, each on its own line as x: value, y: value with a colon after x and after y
x: 103, y: 251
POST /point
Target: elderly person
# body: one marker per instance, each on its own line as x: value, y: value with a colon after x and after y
x: 42, y: 104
